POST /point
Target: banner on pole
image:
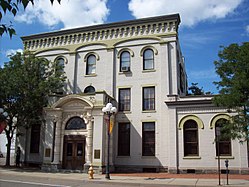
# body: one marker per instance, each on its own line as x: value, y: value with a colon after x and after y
x: 3, y: 125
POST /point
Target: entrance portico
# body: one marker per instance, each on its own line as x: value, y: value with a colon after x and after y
x: 69, y: 136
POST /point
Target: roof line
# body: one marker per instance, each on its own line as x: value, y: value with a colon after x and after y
x: 105, y: 26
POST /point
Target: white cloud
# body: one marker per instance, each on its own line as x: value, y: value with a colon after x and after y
x: 202, y: 74
x: 191, y: 11
x: 11, y: 52
x: 71, y: 13
x: 247, y: 29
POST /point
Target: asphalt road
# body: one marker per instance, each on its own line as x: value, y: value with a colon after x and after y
x: 7, y: 180
x: 29, y: 182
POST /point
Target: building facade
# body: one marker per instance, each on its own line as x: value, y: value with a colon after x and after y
x: 138, y: 66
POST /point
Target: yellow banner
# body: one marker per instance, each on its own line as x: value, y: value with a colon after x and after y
x: 111, y: 125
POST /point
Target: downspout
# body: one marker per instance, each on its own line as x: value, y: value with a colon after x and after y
x: 114, y: 73
x: 177, y: 145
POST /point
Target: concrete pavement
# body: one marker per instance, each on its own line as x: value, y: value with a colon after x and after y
x: 136, y: 179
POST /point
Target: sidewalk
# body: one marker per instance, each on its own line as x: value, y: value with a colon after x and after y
x: 138, y: 179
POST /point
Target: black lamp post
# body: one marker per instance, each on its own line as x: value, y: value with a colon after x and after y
x: 109, y: 110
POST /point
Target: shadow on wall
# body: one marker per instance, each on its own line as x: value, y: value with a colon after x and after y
x: 140, y: 155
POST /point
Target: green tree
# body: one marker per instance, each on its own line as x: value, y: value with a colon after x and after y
x: 12, y: 6
x: 26, y: 84
x: 195, y: 90
x: 233, y: 70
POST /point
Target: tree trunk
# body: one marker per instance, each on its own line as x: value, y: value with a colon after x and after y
x: 8, y: 151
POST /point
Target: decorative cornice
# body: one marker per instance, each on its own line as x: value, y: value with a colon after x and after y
x: 161, y: 25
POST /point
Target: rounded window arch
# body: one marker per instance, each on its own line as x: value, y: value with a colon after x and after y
x: 60, y: 62
x: 75, y: 123
x: 148, y: 59
x: 217, y: 117
x: 191, y: 117
x: 190, y: 138
x: 89, y: 89
x: 91, y: 65
x: 125, y: 61
x: 223, y: 147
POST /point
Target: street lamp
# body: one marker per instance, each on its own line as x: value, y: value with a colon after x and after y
x: 109, y: 110
x: 218, y: 149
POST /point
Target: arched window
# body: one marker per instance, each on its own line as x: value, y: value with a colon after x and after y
x: 91, y: 65
x: 125, y: 60
x: 148, y: 59
x: 190, y: 133
x: 224, y: 142
x: 60, y: 62
x: 75, y: 123
x: 89, y: 89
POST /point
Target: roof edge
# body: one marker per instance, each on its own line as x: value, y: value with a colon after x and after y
x: 105, y: 26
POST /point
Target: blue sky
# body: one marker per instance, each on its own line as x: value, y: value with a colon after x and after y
x: 205, y: 26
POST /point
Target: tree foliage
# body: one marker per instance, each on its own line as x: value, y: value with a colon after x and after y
x: 26, y: 83
x: 12, y: 6
x: 233, y: 69
x: 195, y: 90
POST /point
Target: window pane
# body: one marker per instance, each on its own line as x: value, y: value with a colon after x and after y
x: 149, y: 98
x: 79, y: 149
x: 61, y: 63
x: 124, y: 139
x: 35, y: 138
x: 75, y: 123
x: 148, y: 139
x: 190, y: 138
x: 124, y: 60
x: 124, y: 99
x: 148, y: 59
x: 91, y: 65
x: 224, y: 142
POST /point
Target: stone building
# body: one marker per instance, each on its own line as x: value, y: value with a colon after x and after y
x: 138, y: 66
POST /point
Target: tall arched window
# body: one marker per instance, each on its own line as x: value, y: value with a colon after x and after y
x: 125, y: 60
x: 91, y: 65
x: 148, y: 59
x: 60, y: 62
x: 190, y: 133
x: 75, y: 123
x: 224, y: 142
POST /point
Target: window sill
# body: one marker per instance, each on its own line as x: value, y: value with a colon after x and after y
x: 149, y: 111
x: 148, y: 157
x: 124, y: 112
x: 225, y: 157
x: 91, y: 75
x: 123, y: 156
x: 124, y: 72
x: 192, y: 157
x: 148, y: 70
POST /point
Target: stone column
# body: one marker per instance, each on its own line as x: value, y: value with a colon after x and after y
x: 57, y: 142
x: 89, y: 140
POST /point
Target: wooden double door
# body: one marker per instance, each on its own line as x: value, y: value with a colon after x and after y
x: 74, y: 152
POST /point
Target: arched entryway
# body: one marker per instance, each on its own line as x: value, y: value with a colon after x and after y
x: 74, y: 145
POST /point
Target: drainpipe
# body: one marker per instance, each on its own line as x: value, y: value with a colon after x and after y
x: 177, y: 145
